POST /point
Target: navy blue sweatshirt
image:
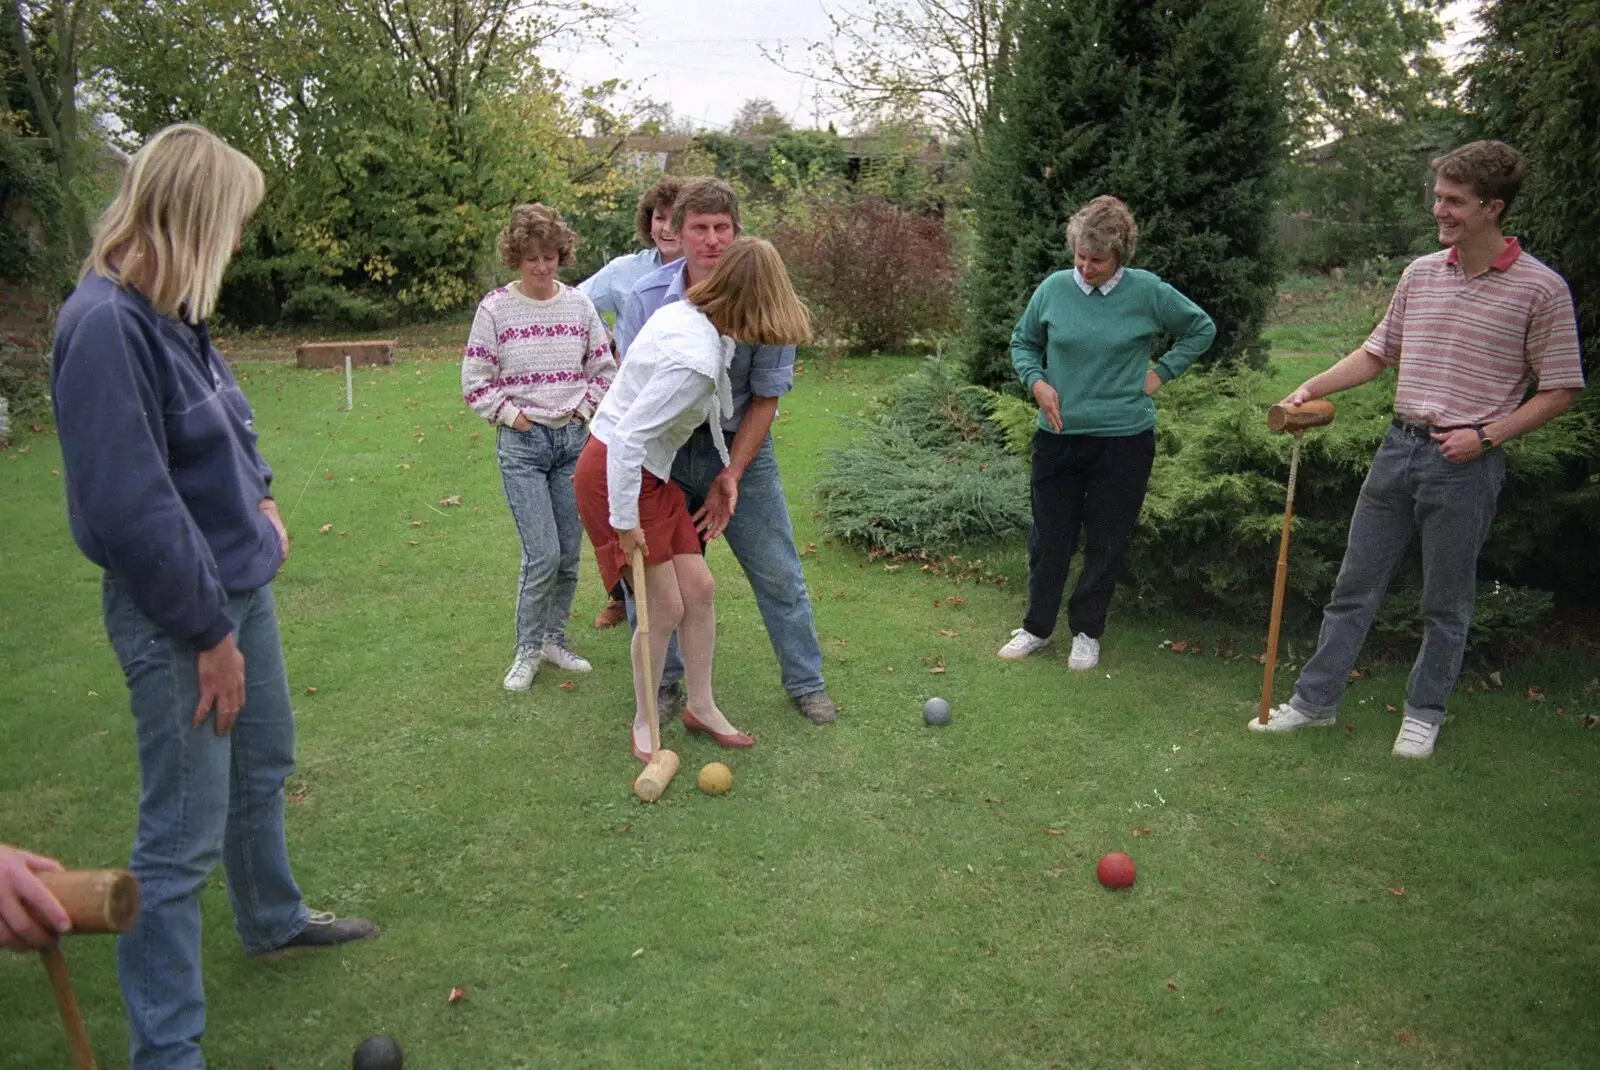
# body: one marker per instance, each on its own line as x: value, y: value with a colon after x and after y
x: 164, y: 484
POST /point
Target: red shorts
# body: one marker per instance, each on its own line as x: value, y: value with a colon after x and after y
x: 663, y: 514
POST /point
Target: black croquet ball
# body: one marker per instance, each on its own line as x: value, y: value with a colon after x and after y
x: 936, y: 712
x: 377, y: 1053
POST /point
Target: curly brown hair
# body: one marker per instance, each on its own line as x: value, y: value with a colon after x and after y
x: 535, y: 226
x: 661, y: 195
x: 1491, y: 169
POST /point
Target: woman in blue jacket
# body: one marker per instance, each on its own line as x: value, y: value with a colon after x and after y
x: 167, y: 494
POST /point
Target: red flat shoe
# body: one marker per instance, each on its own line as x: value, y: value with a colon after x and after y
x: 724, y: 739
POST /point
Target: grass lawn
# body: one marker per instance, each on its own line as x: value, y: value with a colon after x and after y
x: 872, y: 894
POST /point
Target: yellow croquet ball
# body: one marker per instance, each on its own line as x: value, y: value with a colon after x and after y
x: 715, y: 779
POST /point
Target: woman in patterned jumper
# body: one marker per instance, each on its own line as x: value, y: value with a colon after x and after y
x: 537, y: 363
x: 674, y: 380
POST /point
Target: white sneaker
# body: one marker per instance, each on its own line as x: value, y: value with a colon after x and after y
x: 1286, y: 718
x: 1021, y: 644
x: 1085, y: 652
x: 559, y: 654
x: 1416, y: 738
x: 526, y: 666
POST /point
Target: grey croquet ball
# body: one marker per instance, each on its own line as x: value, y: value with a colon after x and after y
x: 936, y: 712
x: 377, y: 1053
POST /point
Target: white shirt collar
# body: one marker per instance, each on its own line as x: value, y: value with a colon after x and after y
x: 1104, y: 288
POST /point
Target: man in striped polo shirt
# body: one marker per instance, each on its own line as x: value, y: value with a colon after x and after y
x: 1470, y: 329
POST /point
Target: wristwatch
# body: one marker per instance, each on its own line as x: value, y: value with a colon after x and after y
x: 1485, y: 443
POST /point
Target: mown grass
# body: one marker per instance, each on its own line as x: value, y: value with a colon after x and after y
x: 873, y: 894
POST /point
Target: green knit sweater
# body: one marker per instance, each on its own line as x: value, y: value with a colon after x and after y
x: 1094, y: 348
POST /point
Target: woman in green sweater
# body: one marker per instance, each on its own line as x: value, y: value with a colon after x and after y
x: 1083, y: 349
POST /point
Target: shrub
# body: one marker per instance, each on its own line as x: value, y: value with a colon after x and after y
x: 876, y: 274
x: 928, y: 472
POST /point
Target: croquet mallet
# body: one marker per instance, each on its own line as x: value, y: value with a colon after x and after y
x: 97, y: 901
x: 1294, y: 419
x: 663, y: 764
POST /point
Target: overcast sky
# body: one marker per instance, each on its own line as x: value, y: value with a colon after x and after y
x: 703, y: 57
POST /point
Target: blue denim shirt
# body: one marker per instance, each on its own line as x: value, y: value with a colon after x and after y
x: 610, y: 286
x: 760, y: 371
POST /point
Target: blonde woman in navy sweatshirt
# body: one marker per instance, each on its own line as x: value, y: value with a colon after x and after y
x: 167, y: 494
x: 1083, y: 350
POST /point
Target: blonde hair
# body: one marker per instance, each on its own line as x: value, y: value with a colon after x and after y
x: 177, y: 218
x: 536, y: 227
x: 749, y: 296
x: 1104, y: 225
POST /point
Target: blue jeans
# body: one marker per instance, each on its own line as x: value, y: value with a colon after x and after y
x: 762, y: 542
x: 536, y: 470
x: 1411, y: 488
x: 202, y: 797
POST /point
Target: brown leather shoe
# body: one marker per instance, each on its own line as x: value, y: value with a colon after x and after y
x: 612, y: 615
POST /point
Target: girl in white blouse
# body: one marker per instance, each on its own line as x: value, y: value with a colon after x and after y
x: 674, y: 380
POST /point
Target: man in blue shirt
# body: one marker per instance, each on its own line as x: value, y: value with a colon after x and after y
x: 706, y: 217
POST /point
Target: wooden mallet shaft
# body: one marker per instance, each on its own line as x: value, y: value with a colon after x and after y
x: 1294, y: 419
x: 97, y: 901
x: 663, y: 764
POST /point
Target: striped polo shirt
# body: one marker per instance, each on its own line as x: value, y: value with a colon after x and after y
x: 1468, y: 347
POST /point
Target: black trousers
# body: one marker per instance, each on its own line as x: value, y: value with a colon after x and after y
x: 1097, y: 484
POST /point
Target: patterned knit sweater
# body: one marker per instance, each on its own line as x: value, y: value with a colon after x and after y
x: 548, y: 360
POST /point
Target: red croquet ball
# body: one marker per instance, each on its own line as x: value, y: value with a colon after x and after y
x: 1115, y: 870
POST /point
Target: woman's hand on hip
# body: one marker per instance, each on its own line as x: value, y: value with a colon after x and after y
x: 1049, y: 403
x: 1152, y: 383
x: 522, y: 423
x: 220, y: 673
x: 631, y: 540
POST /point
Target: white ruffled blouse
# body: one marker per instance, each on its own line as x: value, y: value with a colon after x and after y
x: 674, y: 380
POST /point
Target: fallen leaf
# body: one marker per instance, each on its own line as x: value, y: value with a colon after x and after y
x: 1261, y: 857
x: 947, y: 633
x: 55, y: 471
x: 1360, y: 674
x: 1589, y: 720
x: 327, y: 475
x: 637, y: 953
x: 1534, y: 693
x: 1172, y: 986
x: 456, y: 995
x: 403, y: 466
x: 324, y: 529
x: 418, y: 523
x: 1561, y: 711
x: 342, y: 534
x: 1054, y: 872
x: 568, y: 685
x: 1259, y: 659
x: 955, y: 600
x: 454, y: 499
x: 1143, y: 830
x: 1054, y: 832
x: 992, y: 799
x: 938, y: 666
x: 1389, y: 707
x: 1404, y: 1036
x: 1496, y: 679
x: 1217, y: 1009
x: 1180, y: 647
x: 311, y: 691
x: 623, y: 829
x: 412, y: 542
x: 893, y: 568
x: 1396, y: 891
x: 1350, y: 731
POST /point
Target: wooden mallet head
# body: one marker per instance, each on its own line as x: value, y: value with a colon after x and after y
x: 1296, y: 418
x: 97, y: 900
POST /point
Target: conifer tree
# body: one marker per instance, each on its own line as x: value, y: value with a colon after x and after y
x: 1171, y: 106
x: 1535, y: 84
